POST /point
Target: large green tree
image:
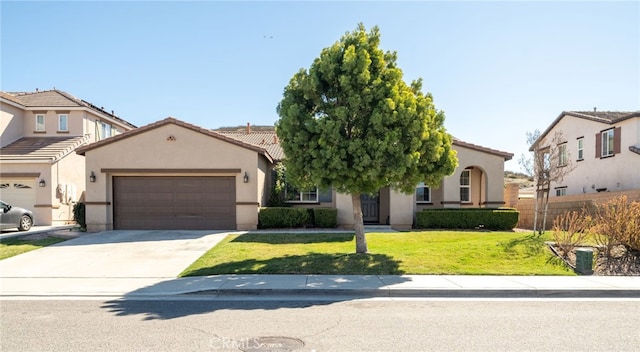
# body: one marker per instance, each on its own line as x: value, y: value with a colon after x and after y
x: 351, y: 122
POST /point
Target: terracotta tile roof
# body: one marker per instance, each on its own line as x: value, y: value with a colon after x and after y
x: 11, y: 98
x: 56, y: 98
x: 172, y: 120
x: 41, y: 148
x: 269, y: 140
x: 50, y: 98
x: 605, y: 117
x: 505, y: 155
x: 263, y: 139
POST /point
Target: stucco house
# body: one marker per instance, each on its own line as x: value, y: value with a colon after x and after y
x: 602, y: 149
x: 174, y: 175
x: 39, y: 133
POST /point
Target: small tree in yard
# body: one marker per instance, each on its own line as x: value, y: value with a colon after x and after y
x: 551, y: 163
x: 351, y: 122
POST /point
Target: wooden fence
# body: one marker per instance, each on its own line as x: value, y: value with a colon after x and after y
x: 560, y: 205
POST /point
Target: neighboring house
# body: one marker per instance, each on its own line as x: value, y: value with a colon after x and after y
x: 601, y: 148
x: 174, y: 175
x: 39, y: 133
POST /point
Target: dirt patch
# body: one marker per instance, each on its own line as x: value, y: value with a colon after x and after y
x: 621, y: 262
x: 34, y: 237
x: 64, y: 234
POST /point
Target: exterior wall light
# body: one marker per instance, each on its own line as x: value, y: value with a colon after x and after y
x: 42, y: 183
x: 246, y: 177
x: 92, y: 177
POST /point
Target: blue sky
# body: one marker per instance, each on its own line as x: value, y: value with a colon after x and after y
x: 497, y: 69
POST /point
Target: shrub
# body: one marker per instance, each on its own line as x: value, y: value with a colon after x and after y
x: 280, y: 217
x: 617, y: 222
x: 570, y: 230
x: 79, y: 215
x: 492, y: 219
x: 325, y: 217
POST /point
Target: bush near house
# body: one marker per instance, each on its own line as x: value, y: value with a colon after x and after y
x: 79, y: 215
x: 281, y: 217
x: 491, y: 219
x: 325, y: 217
x: 286, y: 217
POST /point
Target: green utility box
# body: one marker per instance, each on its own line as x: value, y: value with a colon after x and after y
x: 584, y: 261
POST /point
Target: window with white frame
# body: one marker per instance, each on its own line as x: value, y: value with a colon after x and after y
x: 607, y: 143
x: 63, y: 122
x: 423, y: 193
x: 465, y: 186
x: 105, y: 130
x: 40, y: 123
x: 294, y: 195
x: 561, y: 191
x: 562, y: 154
x: 581, y: 148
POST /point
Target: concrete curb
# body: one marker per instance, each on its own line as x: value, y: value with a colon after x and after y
x: 443, y: 293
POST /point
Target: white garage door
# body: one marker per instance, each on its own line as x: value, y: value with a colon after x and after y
x: 18, y: 192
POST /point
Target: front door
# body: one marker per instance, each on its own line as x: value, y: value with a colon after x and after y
x: 370, y: 208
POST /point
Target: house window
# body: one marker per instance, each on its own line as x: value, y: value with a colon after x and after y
x: 562, y: 154
x: 608, y: 142
x: 423, y: 193
x: 63, y: 120
x: 561, y: 191
x: 465, y: 186
x: 104, y: 130
x: 581, y: 148
x: 40, y: 123
x: 296, y: 196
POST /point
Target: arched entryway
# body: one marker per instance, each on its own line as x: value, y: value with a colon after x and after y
x: 473, y: 186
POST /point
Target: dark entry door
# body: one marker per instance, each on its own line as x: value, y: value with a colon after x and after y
x: 370, y: 208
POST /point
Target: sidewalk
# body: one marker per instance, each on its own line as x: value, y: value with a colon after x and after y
x: 319, y: 286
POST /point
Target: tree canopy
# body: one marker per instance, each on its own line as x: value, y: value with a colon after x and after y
x: 351, y: 122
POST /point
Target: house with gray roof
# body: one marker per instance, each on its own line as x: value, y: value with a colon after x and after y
x: 601, y: 148
x: 39, y: 134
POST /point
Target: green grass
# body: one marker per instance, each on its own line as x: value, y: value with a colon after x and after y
x: 13, y: 246
x: 429, y: 252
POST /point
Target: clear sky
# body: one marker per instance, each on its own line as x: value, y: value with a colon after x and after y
x: 497, y: 69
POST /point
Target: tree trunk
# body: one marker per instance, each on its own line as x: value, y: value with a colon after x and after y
x: 546, y: 207
x: 358, y: 224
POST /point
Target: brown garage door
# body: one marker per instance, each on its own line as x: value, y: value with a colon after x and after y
x: 174, y: 203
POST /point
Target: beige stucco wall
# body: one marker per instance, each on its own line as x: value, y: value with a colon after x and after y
x: 490, y: 186
x: 69, y: 174
x: 11, y: 127
x: 152, y: 150
x: 401, y: 210
x: 616, y: 173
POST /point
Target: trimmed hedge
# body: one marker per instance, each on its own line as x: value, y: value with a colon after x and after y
x: 281, y: 217
x: 325, y: 217
x: 286, y: 217
x: 491, y: 219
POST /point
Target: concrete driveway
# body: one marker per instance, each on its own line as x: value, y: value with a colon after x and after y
x: 111, y: 262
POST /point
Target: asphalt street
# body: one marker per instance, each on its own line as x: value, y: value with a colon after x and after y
x: 203, y: 324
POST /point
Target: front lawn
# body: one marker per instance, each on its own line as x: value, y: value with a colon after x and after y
x: 429, y: 252
x: 14, y: 246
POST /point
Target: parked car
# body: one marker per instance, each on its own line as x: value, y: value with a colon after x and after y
x: 12, y: 217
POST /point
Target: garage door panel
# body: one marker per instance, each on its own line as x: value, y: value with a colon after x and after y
x: 198, y: 203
